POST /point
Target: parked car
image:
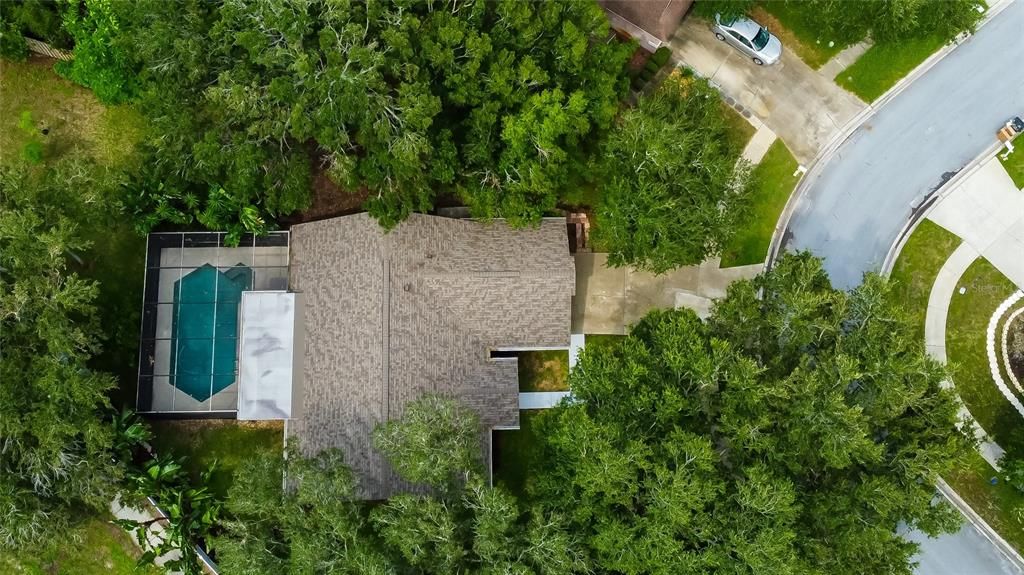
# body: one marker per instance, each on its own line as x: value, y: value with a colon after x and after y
x: 749, y: 37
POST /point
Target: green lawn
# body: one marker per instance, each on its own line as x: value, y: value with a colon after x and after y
x: 95, y: 548
x: 1014, y: 164
x: 797, y: 27
x: 997, y: 504
x: 544, y: 370
x: 74, y: 120
x: 226, y: 441
x: 919, y: 263
x: 512, y: 453
x: 968, y: 319
x: 883, y: 65
x: 773, y: 183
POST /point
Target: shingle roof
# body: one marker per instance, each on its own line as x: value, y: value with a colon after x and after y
x: 390, y: 316
x: 657, y: 17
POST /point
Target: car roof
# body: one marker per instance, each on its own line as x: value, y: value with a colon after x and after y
x: 745, y: 26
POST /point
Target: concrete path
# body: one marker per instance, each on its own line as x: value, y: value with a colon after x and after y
x: 946, y: 283
x: 609, y: 300
x: 803, y: 107
x: 856, y: 205
x: 987, y: 211
x: 758, y: 145
x: 541, y: 399
x: 843, y: 60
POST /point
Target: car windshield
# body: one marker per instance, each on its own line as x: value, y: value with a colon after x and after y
x: 761, y: 39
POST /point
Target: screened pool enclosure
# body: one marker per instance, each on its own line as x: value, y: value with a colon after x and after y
x: 195, y: 283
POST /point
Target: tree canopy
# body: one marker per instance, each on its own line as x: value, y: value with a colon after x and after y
x: 461, y: 525
x: 790, y: 433
x: 673, y: 191
x: 493, y: 101
x: 55, y: 446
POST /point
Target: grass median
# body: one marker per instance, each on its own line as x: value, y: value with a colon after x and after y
x: 918, y: 265
x: 998, y: 504
x: 885, y: 64
x: 773, y: 183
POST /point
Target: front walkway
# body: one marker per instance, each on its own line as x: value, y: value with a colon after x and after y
x: 609, y: 300
x: 803, y: 107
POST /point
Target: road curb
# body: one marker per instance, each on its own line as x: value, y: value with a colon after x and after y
x: 826, y: 153
x: 921, y: 211
x: 980, y: 524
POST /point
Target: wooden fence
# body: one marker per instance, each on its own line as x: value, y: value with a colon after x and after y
x: 47, y: 50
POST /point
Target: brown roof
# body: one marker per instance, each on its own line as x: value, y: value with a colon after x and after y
x: 659, y: 18
x: 390, y: 316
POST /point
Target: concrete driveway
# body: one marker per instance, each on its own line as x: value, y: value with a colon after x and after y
x: 804, y: 108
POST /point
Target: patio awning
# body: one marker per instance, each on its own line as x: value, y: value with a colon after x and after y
x: 270, y: 346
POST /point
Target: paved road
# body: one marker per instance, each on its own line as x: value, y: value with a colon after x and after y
x: 860, y: 200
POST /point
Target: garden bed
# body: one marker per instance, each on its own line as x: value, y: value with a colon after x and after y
x: 544, y: 370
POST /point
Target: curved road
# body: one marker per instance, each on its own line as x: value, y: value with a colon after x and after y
x: 858, y: 202
x: 856, y: 205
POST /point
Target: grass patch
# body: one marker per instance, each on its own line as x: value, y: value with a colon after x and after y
x: 918, y: 265
x: 885, y: 64
x: 799, y: 29
x: 97, y: 547
x: 544, y: 370
x: 773, y: 183
x: 228, y: 442
x: 513, y: 453
x: 966, y: 323
x: 738, y: 130
x: 74, y: 119
x: 602, y: 340
x: 997, y: 504
x: 1014, y: 165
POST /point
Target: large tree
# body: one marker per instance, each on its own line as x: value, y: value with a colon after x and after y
x: 793, y: 432
x: 457, y: 524
x: 495, y: 101
x: 55, y: 458
x: 673, y: 188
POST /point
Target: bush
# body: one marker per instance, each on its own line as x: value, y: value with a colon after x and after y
x: 100, y: 63
x: 646, y: 75
x: 638, y: 84
x: 12, y: 43
x: 661, y: 56
x: 652, y: 66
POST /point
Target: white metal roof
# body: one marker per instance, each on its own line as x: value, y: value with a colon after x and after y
x: 269, y: 337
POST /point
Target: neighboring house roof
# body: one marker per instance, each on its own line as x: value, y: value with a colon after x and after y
x: 660, y: 18
x: 392, y: 315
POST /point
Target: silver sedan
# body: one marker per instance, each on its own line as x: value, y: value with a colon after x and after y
x: 749, y: 37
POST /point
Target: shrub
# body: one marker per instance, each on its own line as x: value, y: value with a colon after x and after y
x: 661, y: 56
x: 100, y: 63
x: 652, y: 66
x: 646, y: 75
x: 12, y: 43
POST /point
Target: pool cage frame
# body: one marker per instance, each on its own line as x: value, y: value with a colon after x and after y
x: 157, y: 311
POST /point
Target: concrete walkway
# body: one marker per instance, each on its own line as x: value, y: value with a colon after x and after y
x: 843, y: 60
x: 759, y: 143
x: 803, y: 107
x: 946, y: 283
x: 987, y: 211
x: 609, y: 300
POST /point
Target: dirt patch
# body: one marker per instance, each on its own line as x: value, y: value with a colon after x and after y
x: 544, y: 371
x: 329, y: 199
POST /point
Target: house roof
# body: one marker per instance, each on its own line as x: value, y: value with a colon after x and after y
x: 391, y: 316
x: 659, y: 18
